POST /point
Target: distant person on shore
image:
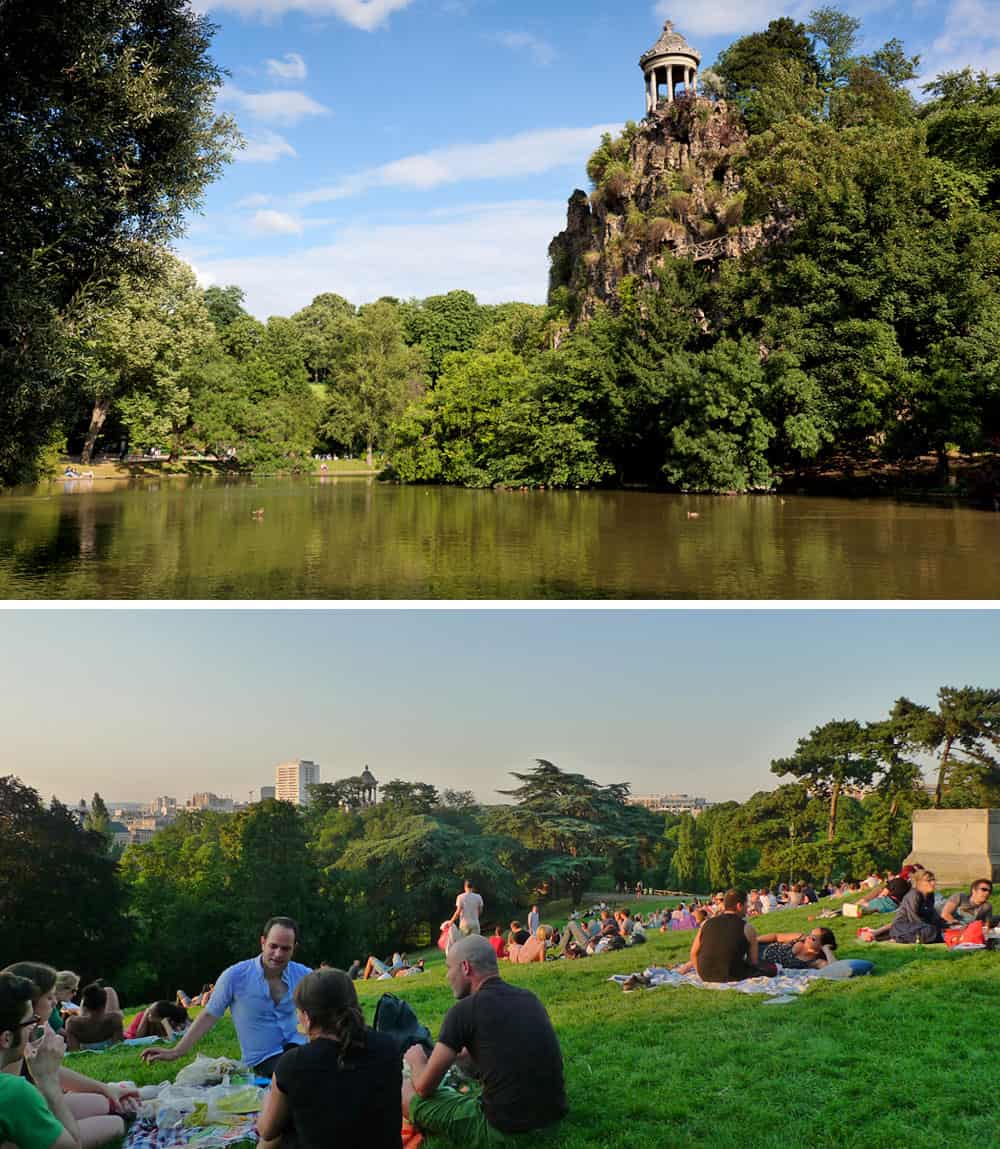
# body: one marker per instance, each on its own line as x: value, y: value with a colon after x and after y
x: 468, y: 910
x: 514, y: 1050
x: 962, y: 909
x: 34, y: 1113
x: 343, y: 1087
x: 258, y: 994
x: 97, y: 1106
x: 97, y: 1023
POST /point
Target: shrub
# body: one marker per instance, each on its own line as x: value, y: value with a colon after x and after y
x: 733, y: 211
x: 680, y: 204
x: 617, y: 179
x: 591, y: 258
x: 636, y: 225
x: 661, y: 230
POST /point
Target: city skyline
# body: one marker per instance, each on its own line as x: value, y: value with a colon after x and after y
x: 669, y: 701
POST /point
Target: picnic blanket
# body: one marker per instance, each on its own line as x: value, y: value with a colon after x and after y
x: 787, y: 983
x: 145, y: 1135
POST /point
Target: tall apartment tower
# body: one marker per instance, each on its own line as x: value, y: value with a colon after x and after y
x: 293, y: 779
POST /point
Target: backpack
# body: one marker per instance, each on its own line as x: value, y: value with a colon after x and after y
x: 396, y: 1017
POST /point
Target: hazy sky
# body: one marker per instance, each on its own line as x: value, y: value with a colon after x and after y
x: 408, y: 147
x: 139, y: 703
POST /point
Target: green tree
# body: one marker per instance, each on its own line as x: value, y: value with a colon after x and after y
x: 379, y: 374
x: 417, y: 797
x: 571, y: 820
x: 327, y: 327
x: 47, y: 859
x: 837, y: 35
x: 963, y: 733
x: 98, y: 819
x: 685, y: 862
x: 142, y: 352
x: 225, y: 306
x: 108, y: 137
x: 442, y: 325
x: 830, y: 757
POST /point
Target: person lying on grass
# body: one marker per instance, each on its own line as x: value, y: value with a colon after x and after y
x: 509, y: 1037
x: 97, y: 1107
x: 96, y: 1023
x: 33, y: 1109
x: 887, y: 899
x: 200, y: 999
x: 344, y: 1086
x: 258, y: 994
x: 814, y: 950
x: 962, y: 909
x: 163, y: 1019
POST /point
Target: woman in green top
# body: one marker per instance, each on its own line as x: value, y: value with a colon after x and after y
x: 67, y: 983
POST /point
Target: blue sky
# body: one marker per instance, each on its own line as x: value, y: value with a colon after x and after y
x: 409, y: 147
x: 140, y: 703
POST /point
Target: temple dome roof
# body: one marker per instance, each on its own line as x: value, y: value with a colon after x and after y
x: 670, y: 43
x: 368, y: 778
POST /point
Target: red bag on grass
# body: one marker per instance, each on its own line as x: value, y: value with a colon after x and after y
x: 972, y: 934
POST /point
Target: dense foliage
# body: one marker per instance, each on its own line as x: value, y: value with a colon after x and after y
x: 867, y: 328
x: 108, y: 136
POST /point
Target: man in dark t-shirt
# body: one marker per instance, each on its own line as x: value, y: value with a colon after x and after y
x: 725, y: 948
x: 514, y: 1048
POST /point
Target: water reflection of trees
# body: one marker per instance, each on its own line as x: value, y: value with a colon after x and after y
x: 359, y: 539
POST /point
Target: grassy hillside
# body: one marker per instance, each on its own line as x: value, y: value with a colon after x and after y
x: 903, y: 1058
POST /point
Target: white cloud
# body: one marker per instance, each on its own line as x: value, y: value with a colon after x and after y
x: 265, y: 148
x: 291, y: 66
x: 364, y: 14
x: 497, y: 251
x: 727, y: 17
x: 541, y: 51
x: 284, y: 107
x: 269, y: 222
x: 258, y: 199
x: 970, y: 37
x: 527, y: 154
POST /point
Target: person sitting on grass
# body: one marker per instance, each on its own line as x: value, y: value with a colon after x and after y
x: 917, y: 919
x: 33, y: 1109
x: 518, y: 934
x: 98, y: 1107
x: 962, y: 909
x: 534, y: 948
x: 515, y: 1051
x: 799, y: 951
x: 887, y: 899
x: 163, y: 1019
x: 258, y: 994
x: 498, y: 943
x: 344, y: 1086
x: 67, y: 983
x: 199, y: 999
x: 96, y: 1024
x: 725, y: 948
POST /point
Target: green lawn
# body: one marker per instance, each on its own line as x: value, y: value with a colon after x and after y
x: 902, y: 1059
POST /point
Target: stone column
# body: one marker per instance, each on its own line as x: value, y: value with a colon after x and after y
x: 694, y: 81
x: 651, y: 90
x: 670, y: 82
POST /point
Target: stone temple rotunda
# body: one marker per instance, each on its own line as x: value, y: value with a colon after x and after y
x: 670, y: 66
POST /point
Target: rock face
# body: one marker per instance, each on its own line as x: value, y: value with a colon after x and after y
x: 667, y: 186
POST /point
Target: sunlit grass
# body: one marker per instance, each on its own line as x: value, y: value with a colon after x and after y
x: 900, y: 1059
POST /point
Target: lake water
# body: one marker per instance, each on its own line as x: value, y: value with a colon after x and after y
x: 343, y: 538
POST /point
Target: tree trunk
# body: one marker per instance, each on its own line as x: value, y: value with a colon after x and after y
x: 368, y: 454
x: 942, y: 770
x: 97, y: 417
x: 831, y: 826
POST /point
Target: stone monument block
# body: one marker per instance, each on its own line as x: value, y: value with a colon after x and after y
x: 958, y: 845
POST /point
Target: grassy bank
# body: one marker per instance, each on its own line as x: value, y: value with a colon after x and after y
x: 903, y: 1058
x: 182, y: 468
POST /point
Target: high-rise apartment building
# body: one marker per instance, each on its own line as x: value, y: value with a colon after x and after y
x: 293, y: 779
x: 268, y: 792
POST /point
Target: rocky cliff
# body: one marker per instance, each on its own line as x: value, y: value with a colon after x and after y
x: 666, y: 186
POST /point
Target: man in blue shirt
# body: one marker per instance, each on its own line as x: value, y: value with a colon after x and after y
x: 258, y: 995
